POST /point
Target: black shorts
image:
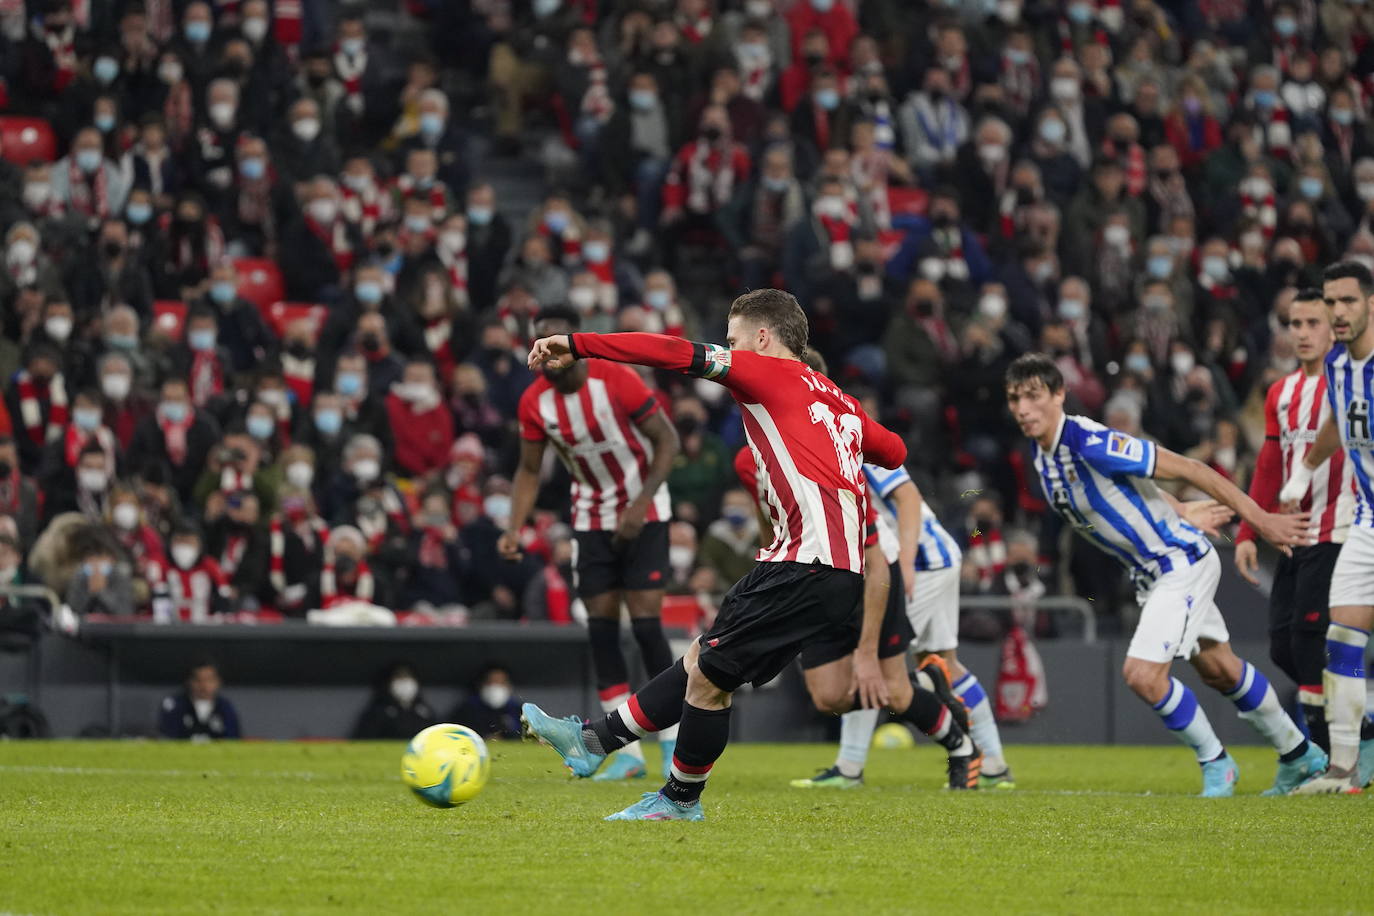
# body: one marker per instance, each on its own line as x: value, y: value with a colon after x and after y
x: 603, y: 564
x: 770, y: 614
x: 1300, y: 597
x: 894, y: 638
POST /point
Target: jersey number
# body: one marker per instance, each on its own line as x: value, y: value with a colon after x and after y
x: 1068, y: 512
x: 1357, y: 418
x: 845, y: 432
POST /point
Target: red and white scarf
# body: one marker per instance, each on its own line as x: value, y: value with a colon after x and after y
x: 596, y: 101
x: 336, y: 239
x: 432, y: 554
x: 439, y: 342
x: 63, y: 47
x: 193, y: 590
x: 76, y: 441
x: 710, y: 177
x: 31, y: 407
x: 350, y: 71
x: 1019, y: 82
x: 988, y: 555
x: 300, y: 377
x: 207, y: 376
x: 1263, y: 211
x: 330, y: 595
x: 838, y: 231
x: 311, y: 531
x: 179, y: 112
x: 756, y: 72
x: 364, y: 209
x: 568, y: 242
x: 1275, y: 134
x: 235, y: 546
x: 174, y: 436
x: 456, y: 263
x: 696, y: 30
x: 406, y: 188
x: 89, y: 196
x: 1133, y: 165
x: 1100, y: 37
x: 948, y: 261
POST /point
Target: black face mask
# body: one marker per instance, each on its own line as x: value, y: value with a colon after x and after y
x: 111, y: 249
x: 1164, y: 174
x: 315, y: 80
x: 6, y: 469
x: 297, y: 349
x: 1025, y: 197
x: 371, y: 343
x: 1021, y: 570
x: 688, y: 426
x: 924, y: 308
x: 813, y: 59
x: 710, y: 134
x: 868, y: 268
x: 942, y: 220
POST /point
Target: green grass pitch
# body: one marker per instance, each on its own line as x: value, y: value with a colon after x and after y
x: 144, y: 828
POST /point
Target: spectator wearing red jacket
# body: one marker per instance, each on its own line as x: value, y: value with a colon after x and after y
x: 830, y: 16
x: 420, y: 421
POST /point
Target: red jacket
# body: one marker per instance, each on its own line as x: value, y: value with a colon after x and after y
x: 423, y: 438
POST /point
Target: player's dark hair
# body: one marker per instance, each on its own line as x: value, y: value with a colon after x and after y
x: 778, y: 311
x: 814, y: 361
x: 563, y: 313
x: 1308, y: 294
x: 1034, y: 367
x: 1353, y: 270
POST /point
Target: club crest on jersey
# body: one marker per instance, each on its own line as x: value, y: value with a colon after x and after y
x: 1120, y: 445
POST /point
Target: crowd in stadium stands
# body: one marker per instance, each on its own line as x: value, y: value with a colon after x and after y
x: 268, y: 268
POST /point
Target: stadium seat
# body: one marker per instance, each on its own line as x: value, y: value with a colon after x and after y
x: 169, y: 318
x: 281, y: 315
x: 22, y: 140
x: 260, y: 281
x: 682, y: 612
x: 906, y: 201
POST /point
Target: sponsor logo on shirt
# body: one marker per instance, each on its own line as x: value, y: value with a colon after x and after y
x: 1120, y: 445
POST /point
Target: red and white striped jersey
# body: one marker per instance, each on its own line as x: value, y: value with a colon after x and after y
x: 193, y: 591
x: 1295, y: 408
x: 595, y: 430
x: 809, y: 440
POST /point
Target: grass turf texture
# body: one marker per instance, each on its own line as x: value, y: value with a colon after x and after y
x: 100, y: 827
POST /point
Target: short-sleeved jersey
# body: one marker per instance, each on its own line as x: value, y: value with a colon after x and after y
x: 809, y: 440
x: 1350, y: 391
x: 1098, y: 480
x: 936, y: 549
x: 595, y: 431
x: 1295, y: 408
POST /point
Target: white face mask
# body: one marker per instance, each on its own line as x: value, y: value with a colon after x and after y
x: 255, y: 29
x: 367, y: 469
x: 681, y: 557
x: 1366, y: 190
x: 58, y: 327
x: 22, y: 251
x: 582, y: 298
x: 405, y: 690
x: 495, y: 695
x: 453, y: 241
x: 1064, y: 88
x: 306, y: 129
x: 993, y: 307
x: 992, y: 153
x: 1117, y: 235
x: 92, y: 480
x: 300, y: 475
x: 1182, y: 362
x: 116, y: 387
x: 36, y: 194
x: 222, y: 113
x: 125, y: 516
x: 185, y: 555
x: 323, y: 210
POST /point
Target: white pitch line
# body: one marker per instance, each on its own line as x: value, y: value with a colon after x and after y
x: 113, y: 771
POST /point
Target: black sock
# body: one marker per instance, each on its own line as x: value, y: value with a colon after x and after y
x: 928, y: 714
x: 1314, y: 715
x: 1296, y: 753
x: 612, y: 678
x: 655, y: 707
x: 700, y: 741
x: 653, y: 645
x: 1366, y: 728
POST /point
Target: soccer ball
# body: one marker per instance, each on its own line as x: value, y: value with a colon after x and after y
x: 446, y: 765
x: 893, y: 736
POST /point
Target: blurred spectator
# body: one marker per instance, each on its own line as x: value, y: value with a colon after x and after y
x: 731, y: 542
x: 176, y: 435
x: 491, y: 707
x: 200, y: 711
x: 396, y: 710
x: 420, y: 421
x: 101, y: 585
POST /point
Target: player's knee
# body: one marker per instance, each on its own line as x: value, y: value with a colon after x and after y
x: 1145, y: 679
x: 702, y: 693
x: 831, y: 702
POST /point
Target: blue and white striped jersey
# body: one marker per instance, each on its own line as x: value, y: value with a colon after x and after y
x: 1350, y: 389
x: 936, y: 549
x: 1098, y: 480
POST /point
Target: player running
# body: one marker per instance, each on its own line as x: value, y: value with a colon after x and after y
x: 1348, y: 291
x: 1296, y: 407
x: 809, y: 441
x: 607, y: 428
x: 1101, y: 482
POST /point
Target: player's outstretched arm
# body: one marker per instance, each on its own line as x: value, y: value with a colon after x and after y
x: 1283, y: 531
x: 908, y: 503
x: 524, y: 491
x: 882, y: 446
x: 1327, y: 441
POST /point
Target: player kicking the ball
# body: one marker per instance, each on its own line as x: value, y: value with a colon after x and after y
x: 809, y: 441
x: 1101, y: 482
x: 606, y: 426
x: 1348, y: 290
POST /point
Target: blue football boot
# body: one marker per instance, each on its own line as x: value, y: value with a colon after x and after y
x: 622, y: 766
x: 1293, y: 774
x: 564, y: 736
x: 654, y: 807
x: 1219, y: 777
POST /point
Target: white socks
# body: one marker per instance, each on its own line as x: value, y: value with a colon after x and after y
x: 981, y: 723
x: 1259, y: 705
x: 856, y: 736
x: 1188, y: 722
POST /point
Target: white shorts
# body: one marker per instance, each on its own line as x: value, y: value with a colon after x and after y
x: 1352, y: 581
x: 934, y: 610
x: 1177, y: 611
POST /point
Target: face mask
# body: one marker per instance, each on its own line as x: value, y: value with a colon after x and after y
x: 300, y: 474
x: 260, y: 427
x: 197, y: 32
x: 22, y: 251
x: 1079, y: 13
x: 368, y: 292
x: 352, y: 46
x: 1215, y: 266
x: 105, y: 70
x: 643, y: 99
x: 557, y: 220
x: 776, y: 185
x: 1310, y: 186
x: 139, y: 213
x: 680, y: 557
x: 255, y: 29
x: 328, y: 422
x: 1156, y: 303
x: 758, y: 9
x: 497, y: 508
x: 115, y: 387
x: 36, y: 194
x: 58, y: 327
x: 1365, y: 190
x: 1072, y: 309
x: 1138, y: 363
x: 1064, y: 88
x: 323, y: 210
x: 125, y: 516
x: 223, y: 292
x: 993, y: 307
x: 104, y: 122
x: 1342, y: 116
x: 1160, y: 266
x: 92, y: 480
x: 417, y: 224
x: 88, y: 160
x: 87, y: 419
x: 222, y: 113
x: 252, y: 168
x: 822, y: 6
x: 201, y: 339
x: 657, y: 298
x: 582, y: 298
x: 99, y: 568
x: 173, y: 411
x: 431, y: 124
x: 1182, y: 362
x: 306, y: 129
x: 597, y: 252
x: 405, y: 689
x: 495, y: 696
x: 1052, y: 131
x: 170, y: 73
x: 1117, y: 235
x: 1286, y: 26
x: 829, y: 99
x: 121, y: 341
x: 479, y: 216
x: 367, y: 469
x: 453, y: 241
x: 544, y: 8
x: 992, y: 153
x: 349, y: 383
x: 1264, y: 98
x: 185, y: 555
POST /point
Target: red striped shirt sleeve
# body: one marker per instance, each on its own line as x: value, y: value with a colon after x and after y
x: 1268, y: 479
